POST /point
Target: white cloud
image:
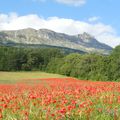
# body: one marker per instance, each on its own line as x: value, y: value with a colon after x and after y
x: 93, y: 19
x: 67, y: 2
x: 104, y: 33
x: 72, y: 2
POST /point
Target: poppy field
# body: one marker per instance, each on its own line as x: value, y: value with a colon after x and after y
x: 60, y: 99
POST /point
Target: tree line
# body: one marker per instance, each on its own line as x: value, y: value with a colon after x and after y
x: 53, y: 60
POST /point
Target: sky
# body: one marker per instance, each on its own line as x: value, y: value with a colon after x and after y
x: 100, y: 18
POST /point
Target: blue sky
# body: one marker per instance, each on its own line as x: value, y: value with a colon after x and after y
x: 100, y: 18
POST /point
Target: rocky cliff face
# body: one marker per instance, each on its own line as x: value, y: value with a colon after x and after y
x: 84, y: 42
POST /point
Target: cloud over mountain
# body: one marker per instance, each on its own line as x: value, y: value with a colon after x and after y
x: 104, y: 33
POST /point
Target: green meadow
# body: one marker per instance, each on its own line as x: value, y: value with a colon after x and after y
x: 14, y: 77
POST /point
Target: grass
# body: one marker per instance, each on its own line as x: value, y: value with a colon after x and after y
x: 13, y: 77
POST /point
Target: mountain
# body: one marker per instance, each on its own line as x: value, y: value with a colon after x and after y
x: 83, y: 42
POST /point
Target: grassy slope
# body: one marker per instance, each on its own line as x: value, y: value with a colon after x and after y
x: 13, y: 77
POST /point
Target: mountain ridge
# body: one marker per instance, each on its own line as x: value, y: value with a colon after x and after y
x: 84, y: 42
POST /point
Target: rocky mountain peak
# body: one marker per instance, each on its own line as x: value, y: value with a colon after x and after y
x: 85, y: 36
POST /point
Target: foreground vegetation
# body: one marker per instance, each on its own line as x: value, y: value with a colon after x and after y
x: 60, y: 99
x: 82, y: 66
x: 41, y: 96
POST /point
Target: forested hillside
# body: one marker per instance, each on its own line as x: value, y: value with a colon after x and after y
x: 83, y: 66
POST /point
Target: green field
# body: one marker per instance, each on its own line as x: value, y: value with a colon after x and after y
x: 13, y: 77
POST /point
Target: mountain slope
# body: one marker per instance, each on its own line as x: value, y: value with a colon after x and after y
x: 83, y: 42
